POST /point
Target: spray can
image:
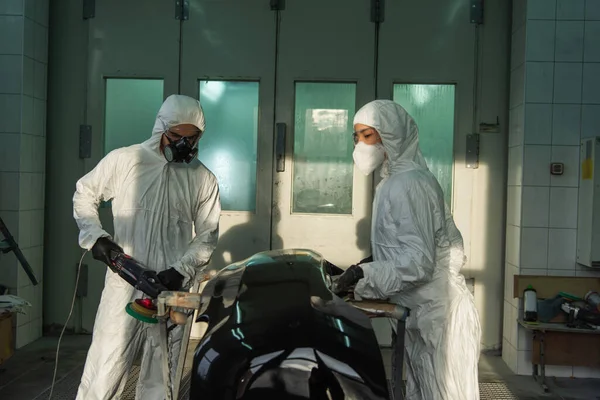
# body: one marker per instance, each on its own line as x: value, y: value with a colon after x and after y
x: 593, y: 298
x: 530, y: 304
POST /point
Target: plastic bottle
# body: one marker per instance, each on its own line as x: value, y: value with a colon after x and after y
x: 530, y: 304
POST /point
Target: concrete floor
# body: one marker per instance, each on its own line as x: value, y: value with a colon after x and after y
x: 28, y: 375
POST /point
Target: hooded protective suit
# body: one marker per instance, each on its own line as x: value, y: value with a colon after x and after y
x: 157, y: 208
x: 418, y: 253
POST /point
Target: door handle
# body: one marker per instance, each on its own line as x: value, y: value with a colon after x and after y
x: 280, y: 146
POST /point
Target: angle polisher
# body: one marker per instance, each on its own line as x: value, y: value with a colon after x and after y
x: 144, y: 280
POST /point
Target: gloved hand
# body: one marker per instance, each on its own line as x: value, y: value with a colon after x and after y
x: 332, y: 269
x: 101, y: 250
x: 352, y: 275
x: 171, y: 278
x: 366, y: 260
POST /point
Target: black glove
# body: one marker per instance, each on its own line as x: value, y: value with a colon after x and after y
x: 348, y: 279
x: 171, y: 278
x: 366, y: 260
x: 102, y: 249
x: 332, y: 269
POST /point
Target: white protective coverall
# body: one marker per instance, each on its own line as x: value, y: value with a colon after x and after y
x: 157, y: 207
x: 417, y: 256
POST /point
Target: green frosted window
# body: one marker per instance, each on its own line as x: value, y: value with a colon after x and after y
x: 323, y: 166
x: 130, y: 112
x: 432, y: 107
x: 229, y: 146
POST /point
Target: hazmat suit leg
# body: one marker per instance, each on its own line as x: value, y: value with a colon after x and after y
x: 442, y: 365
x: 422, y: 369
x: 116, y: 337
x: 151, y: 384
x: 120, y: 340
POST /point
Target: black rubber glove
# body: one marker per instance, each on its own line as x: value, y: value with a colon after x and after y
x: 349, y: 278
x: 171, y: 278
x: 366, y: 260
x: 332, y: 269
x: 102, y: 249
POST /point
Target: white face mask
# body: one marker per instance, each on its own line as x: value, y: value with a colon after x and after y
x: 368, y: 156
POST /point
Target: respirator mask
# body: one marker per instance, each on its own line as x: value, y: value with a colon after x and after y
x: 182, y: 149
x: 368, y: 156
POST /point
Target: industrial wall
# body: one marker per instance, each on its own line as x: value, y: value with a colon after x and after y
x: 23, y: 65
x: 67, y: 75
x: 554, y: 103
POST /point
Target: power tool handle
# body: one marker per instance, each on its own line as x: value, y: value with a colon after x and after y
x: 114, y: 256
x: 136, y: 274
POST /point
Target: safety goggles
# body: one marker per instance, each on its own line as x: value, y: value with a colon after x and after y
x: 193, y: 139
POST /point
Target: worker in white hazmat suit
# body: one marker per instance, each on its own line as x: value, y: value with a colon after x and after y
x: 417, y: 257
x: 166, y: 211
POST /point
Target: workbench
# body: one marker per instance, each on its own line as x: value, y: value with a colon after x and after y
x: 557, y: 344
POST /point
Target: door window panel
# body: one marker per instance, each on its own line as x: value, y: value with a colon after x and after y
x: 432, y: 107
x: 130, y: 111
x: 323, y: 165
x: 229, y: 146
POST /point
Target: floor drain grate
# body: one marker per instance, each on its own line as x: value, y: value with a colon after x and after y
x: 488, y: 391
x: 130, y: 386
x: 129, y: 391
x: 495, y: 391
x: 66, y: 389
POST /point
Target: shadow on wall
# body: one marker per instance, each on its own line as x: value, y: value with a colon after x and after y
x: 232, y: 246
x: 363, y: 236
x: 230, y: 251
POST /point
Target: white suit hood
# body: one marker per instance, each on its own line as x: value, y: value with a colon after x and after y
x: 417, y: 257
x: 175, y: 110
x: 398, y: 131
